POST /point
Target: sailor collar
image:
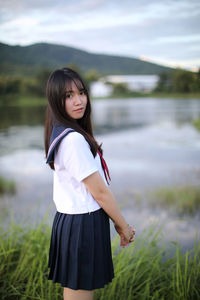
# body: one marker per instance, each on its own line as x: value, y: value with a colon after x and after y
x: 58, y: 133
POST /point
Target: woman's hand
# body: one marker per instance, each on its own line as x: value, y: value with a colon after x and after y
x: 100, y: 192
x: 127, y: 234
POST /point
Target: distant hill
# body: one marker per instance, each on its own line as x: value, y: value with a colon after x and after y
x: 27, y: 60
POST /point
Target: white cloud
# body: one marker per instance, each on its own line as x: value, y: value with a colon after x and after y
x: 179, y: 39
x: 168, y: 30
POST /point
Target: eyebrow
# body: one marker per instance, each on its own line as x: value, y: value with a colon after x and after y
x: 71, y: 91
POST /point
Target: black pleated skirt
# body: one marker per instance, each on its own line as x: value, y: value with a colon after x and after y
x: 80, y: 250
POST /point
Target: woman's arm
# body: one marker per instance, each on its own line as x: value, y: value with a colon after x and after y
x: 97, y: 187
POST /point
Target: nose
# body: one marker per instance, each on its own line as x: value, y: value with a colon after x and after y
x: 78, y: 99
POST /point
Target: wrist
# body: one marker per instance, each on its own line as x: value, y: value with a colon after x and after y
x: 123, y: 226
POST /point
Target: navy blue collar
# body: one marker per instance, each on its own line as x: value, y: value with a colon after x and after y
x: 58, y: 133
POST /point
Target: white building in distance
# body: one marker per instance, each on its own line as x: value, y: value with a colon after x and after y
x: 139, y: 83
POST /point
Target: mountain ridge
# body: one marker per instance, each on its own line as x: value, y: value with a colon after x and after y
x: 27, y: 60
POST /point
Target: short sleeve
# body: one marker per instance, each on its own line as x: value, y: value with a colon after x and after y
x: 76, y: 156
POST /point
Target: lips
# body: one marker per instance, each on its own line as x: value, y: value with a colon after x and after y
x: 79, y: 109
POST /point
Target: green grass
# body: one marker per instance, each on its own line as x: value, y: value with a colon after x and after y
x: 196, y: 124
x: 175, y: 95
x: 7, y: 186
x: 142, y: 271
x: 181, y: 200
x: 22, y: 101
x: 152, y: 95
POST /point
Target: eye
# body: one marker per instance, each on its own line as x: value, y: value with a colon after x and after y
x: 83, y: 92
x: 69, y: 95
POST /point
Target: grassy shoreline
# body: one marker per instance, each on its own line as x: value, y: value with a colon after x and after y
x: 142, y: 271
x: 152, y: 95
x: 7, y: 186
x: 196, y: 123
x: 182, y: 200
x: 22, y: 101
x: 29, y: 100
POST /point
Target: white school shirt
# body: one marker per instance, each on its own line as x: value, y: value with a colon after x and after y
x: 73, y: 162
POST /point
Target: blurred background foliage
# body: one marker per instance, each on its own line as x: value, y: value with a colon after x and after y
x: 176, y: 81
x: 179, y: 81
x: 35, y: 85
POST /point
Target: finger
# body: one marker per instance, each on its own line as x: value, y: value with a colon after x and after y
x: 132, y: 240
x: 124, y: 239
x: 133, y: 229
x: 123, y: 242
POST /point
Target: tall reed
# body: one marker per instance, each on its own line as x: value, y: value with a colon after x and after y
x: 144, y: 270
x: 181, y: 199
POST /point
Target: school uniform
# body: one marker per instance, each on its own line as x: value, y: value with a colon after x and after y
x: 80, y: 249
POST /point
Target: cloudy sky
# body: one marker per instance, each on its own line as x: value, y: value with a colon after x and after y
x: 166, y: 32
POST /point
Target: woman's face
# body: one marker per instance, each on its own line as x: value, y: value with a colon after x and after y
x: 75, y: 102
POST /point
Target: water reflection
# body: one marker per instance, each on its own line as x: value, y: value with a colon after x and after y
x: 19, y: 116
x: 158, y: 148
x: 113, y: 114
x: 17, y: 138
x: 142, y: 111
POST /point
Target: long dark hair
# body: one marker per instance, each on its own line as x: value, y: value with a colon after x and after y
x: 57, y: 83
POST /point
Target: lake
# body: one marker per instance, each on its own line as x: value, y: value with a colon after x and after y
x: 148, y: 143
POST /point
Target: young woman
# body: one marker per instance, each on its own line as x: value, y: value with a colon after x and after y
x: 80, y: 250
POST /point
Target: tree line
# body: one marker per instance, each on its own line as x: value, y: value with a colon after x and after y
x: 177, y: 81
x: 35, y: 85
